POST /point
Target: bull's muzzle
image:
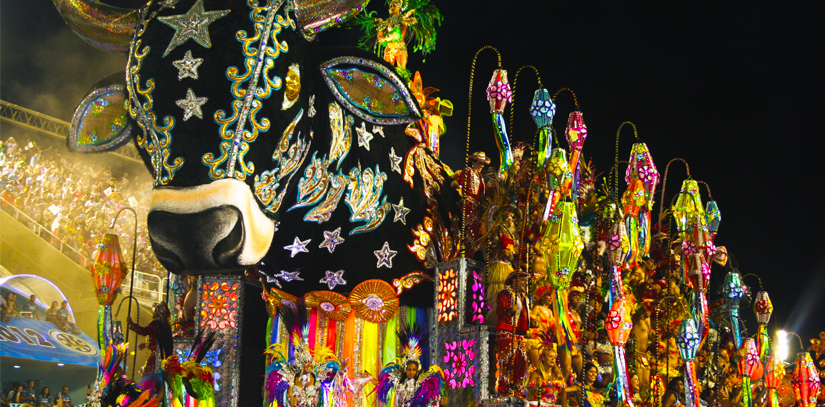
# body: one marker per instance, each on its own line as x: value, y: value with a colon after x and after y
x: 212, y: 228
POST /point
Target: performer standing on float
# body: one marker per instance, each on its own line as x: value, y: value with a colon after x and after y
x: 402, y: 383
x: 156, y: 331
x: 471, y: 187
x: 513, y: 320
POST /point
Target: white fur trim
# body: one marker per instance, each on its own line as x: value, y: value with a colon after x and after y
x: 258, y: 228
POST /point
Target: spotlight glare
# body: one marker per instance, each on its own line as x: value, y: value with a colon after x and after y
x: 16, y: 367
x: 60, y: 364
x: 782, y: 345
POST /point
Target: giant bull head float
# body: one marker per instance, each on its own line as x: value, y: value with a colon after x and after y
x: 267, y: 149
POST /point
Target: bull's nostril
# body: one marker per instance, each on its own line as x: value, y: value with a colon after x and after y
x: 226, y: 252
x: 166, y: 257
x: 209, y: 240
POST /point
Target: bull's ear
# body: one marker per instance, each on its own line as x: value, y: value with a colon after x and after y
x: 101, y: 121
x: 370, y: 90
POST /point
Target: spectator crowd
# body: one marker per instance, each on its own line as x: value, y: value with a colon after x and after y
x: 71, y: 204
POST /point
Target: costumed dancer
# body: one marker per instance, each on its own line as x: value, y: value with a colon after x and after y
x: 542, y: 350
x: 309, y: 379
x: 470, y: 185
x: 181, y: 380
x: 402, y: 383
x: 589, y: 395
x: 156, y: 332
x: 112, y: 388
x: 388, y: 38
x: 511, y: 327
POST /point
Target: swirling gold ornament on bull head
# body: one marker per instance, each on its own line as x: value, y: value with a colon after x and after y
x: 266, y: 149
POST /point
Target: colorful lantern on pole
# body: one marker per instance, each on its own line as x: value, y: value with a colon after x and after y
x: 748, y: 361
x: 559, y: 177
x: 774, y: 373
x: 618, y: 326
x: 108, y: 272
x: 688, y: 205
x: 641, y: 177
x: 617, y: 249
x: 805, y: 380
x: 733, y: 290
x: 688, y: 342
x: 499, y: 94
x: 763, y: 308
x: 713, y: 216
x: 543, y: 110
x: 562, y: 245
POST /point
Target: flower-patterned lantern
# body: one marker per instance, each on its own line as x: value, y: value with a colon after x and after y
x: 763, y: 308
x: 108, y: 272
x: 641, y: 177
x: 713, y: 216
x: 805, y: 380
x: 618, y: 326
x: 543, y: 109
x: 733, y: 290
x: 688, y: 339
x: 641, y: 168
x: 499, y: 94
x: 748, y: 361
x: 562, y: 245
x: 774, y: 373
x: 688, y: 342
x: 617, y: 249
x: 688, y: 204
x: 559, y: 177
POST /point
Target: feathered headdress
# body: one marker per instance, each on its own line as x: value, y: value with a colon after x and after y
x: 296, y: 322
x: 411, y: 339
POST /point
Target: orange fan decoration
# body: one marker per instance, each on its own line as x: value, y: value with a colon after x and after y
x: 333, y: 305
x: 374, y: 300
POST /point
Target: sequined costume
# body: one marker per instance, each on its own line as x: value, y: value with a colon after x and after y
x: 592, y: 397
x: 510, y: 330
x: 413, y: 389
x: 310, y: 378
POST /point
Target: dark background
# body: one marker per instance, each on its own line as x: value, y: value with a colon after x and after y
x: 734, y: 88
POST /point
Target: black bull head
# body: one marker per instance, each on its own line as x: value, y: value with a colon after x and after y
x: 270, y: 151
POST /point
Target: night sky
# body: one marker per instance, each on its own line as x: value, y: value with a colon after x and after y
x: 735, y: 89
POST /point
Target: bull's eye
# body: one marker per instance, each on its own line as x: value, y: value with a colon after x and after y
x: 100, y: 122
x: 370, y: 90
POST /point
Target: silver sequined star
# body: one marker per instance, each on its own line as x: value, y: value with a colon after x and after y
x: 331, y: 239
x: 364, y: 136
x: 385, y: 256
x: 395, y: 161
x: 289, y: 275
x: 378, y: 130
x: 191, y: 105
x: 400, y: 211
x: 188, y: 66
x: 297, y: 246
x: 194, y: 24
x: 333, y: 279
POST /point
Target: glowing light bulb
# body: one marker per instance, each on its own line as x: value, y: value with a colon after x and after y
x: 782, y: 345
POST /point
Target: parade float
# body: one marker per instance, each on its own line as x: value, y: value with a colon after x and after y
x: 534, y: 278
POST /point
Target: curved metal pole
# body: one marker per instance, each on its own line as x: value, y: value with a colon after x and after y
x: 132, y: 281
